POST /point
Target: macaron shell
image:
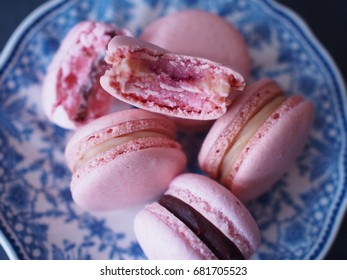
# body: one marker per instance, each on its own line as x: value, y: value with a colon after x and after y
x: 169, y: 231
x: 272, y: 150
x: 118, y: 42
x: 202, y: 34
x: 226, y: 128
x: 220, y: 207
x: 127, y: 180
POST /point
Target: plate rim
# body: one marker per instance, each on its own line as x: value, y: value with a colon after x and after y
x: 340, y: 209
x: 10, y: 245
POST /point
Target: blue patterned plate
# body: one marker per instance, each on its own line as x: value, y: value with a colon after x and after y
x: 38, y: 219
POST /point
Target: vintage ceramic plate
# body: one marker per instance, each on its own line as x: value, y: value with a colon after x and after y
x: 38, y: 219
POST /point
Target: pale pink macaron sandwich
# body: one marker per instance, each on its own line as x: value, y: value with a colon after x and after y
x: 123, y: 159
x: 71, y: 92
x: 149, y: 77
x: 256, y: 141
x: 197, y: 218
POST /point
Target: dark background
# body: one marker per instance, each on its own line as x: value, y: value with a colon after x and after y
x: 327, y: 19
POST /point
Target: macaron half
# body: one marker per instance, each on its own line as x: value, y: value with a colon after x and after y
x: 197, y: 218
x: 71, y: 92
x: 256, y: 141
x: 123, y: 159
x: 151, y: 78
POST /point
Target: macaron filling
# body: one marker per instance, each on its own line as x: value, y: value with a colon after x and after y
x: 141, y: 137
x: 245, y: 135
x: 180, y: 85
x: 220, y: 245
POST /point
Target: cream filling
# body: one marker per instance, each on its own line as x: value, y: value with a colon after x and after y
x: 246, y: 134
x: 131, y: 65
x: 205, y: 85
x: 116, y: 141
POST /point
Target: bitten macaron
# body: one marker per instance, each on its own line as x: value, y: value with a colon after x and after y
x: 256, y: 141
x: 197, y: 218
x: 123, y: 159
x: 149, y: 77
x: 71, y: 91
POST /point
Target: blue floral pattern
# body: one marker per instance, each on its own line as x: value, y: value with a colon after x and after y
x: 37, y: 215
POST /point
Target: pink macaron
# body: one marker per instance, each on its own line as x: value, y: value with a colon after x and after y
x: 257, y: 140
x: 201, y: 34
x: 197, y: 218
x: 151, y: 78
x: 71, y: 92
x: 123, y: 159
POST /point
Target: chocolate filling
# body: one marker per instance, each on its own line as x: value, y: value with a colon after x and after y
x: 214, y: 239
x: 98, y: 68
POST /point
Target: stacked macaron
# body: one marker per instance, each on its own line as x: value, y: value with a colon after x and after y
x: 200, y: 219
x: 254, y: 143
x: 123, y: 159
x: 178, y: 77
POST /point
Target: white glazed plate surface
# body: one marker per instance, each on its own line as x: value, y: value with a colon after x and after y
x: 38, y: 219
